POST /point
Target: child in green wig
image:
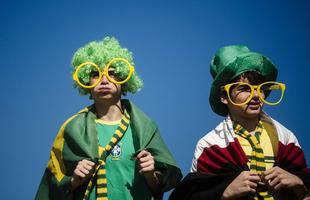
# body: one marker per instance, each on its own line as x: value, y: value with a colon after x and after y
x: 111, y: 149
x: 248, y: 155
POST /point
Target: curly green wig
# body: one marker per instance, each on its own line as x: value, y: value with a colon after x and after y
x: 101, y: 53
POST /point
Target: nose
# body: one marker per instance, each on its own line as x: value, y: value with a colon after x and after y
x: 255, y: 94
x: 104, y: 80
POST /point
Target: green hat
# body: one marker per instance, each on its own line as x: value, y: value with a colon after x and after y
x: 231, y: 61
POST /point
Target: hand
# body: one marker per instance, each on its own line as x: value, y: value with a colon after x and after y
x: 82, y: 173
x: 146, y: 162
x: 280, y: 179
x: 308, y: 197
x: 242, y: 185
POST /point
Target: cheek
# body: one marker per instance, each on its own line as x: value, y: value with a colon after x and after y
x: 94, y: 90
x: 239, y: 97
x: 93, y: 80
x: 117, y: 87
x: 262, y: 95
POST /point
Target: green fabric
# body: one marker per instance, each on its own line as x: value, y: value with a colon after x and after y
x: 81, y: 143
x: 123, y: 176
x: 231, y: 61
x: 100, y: 170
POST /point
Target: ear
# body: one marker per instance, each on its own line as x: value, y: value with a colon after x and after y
x: 224, y: 99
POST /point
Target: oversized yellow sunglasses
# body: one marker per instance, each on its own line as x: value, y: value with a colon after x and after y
x: 274, y: 90
x: 87, y: 70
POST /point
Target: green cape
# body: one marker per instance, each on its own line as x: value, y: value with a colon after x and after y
x: 77, y: 140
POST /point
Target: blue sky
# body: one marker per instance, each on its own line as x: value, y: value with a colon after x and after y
x: 173, y: 43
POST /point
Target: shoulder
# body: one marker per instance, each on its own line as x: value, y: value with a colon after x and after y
x: 79, y: 118
x: 209, y: 139
x: 220, y: 136
x: 285, y: 135
x: 136, y: 114
x: 214, y: 137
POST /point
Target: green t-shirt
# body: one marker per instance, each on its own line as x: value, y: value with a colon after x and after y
x: 123, y: 178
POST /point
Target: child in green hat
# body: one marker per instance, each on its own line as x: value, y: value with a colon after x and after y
x: 249, y: 155
x: 111, y: 149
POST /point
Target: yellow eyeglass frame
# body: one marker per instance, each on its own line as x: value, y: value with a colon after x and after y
x: 105, y: 72
x: 276, y: 85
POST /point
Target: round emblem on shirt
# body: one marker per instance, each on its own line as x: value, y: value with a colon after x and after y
x: 116, y: 151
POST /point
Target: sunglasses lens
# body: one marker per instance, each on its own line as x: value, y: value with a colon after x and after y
x: 273, y: 92
x: 119, y: 70
x: 88, y: 75
x: 239, y: 93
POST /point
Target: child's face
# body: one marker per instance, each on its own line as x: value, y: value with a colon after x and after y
x: 240, y: 95
x: 105, y: 90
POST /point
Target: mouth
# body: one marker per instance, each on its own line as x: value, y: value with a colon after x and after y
x: 104, y: 90
x: 255, y: 105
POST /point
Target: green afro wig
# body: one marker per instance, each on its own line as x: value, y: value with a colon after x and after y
x: 101, y: 53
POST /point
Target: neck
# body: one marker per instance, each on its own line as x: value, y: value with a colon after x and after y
x: 109, y: 111
x: 249, y: 124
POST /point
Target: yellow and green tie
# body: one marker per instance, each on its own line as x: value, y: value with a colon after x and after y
x: 257, y: 161
x: 100, y: 171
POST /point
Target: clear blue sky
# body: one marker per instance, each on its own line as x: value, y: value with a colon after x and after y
x: 173, y: 43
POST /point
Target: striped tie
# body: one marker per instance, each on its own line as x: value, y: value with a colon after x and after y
x: 100, y: 171
x: 257, y: 161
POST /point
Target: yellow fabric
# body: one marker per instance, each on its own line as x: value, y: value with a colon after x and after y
x: 55, y: 164
x: 268, y: 141
x: 119, y: 134
x: 102, y: 198
x: 257, y: 162
x: 100, y: 150
x: 102, y: 181
x: 100, y: 121
x: 102, y: 190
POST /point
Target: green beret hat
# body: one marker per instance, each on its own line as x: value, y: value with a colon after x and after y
x: 230, y: 62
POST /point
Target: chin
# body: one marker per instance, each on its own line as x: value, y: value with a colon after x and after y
x: 104, y: 97
x: 252, y: 113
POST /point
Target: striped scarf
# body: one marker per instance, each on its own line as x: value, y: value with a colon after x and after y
x: 257, y: 161
x: 100, y: 171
